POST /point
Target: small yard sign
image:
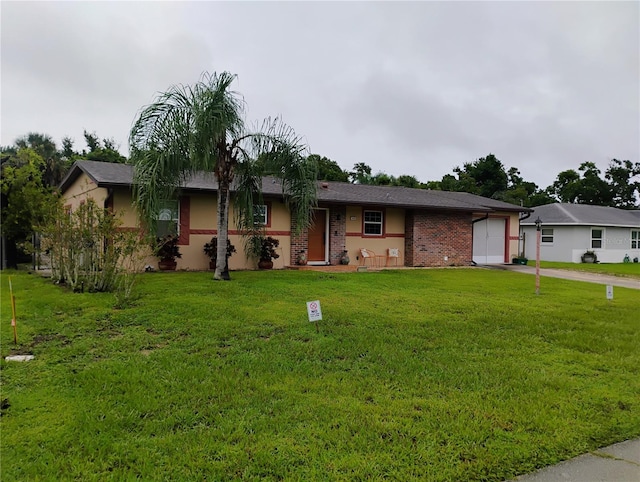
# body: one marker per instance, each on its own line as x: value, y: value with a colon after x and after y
x: 609, y: 292
x: 315, y: 313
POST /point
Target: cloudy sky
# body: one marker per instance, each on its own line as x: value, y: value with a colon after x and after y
x: 408, y: 88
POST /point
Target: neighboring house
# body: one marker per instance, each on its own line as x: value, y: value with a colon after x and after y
x: 569, y: 230
x: 429, y: 228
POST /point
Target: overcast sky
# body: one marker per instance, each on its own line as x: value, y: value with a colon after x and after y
x: 408, y: 88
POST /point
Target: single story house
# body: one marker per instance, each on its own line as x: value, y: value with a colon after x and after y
x: 569, y: 230
x: 427, y: 227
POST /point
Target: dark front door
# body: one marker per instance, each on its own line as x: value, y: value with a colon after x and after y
x: 318, y: 236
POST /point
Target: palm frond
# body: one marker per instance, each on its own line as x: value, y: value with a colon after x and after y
x: 182, y: 132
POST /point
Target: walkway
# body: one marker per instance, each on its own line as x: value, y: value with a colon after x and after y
x: 616, y: 463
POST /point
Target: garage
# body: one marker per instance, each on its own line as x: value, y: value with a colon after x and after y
x: 489, y: 241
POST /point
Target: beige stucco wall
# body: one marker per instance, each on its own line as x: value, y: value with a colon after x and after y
x: 122, y: 206
x: 204, y: 209
x: 203, y: 217
x: 514, y: 234
x: 82, y: 189
x: 393, y: 235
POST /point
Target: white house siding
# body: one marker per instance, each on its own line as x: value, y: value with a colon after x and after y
x: 616, y: 244
x: 571, y: 242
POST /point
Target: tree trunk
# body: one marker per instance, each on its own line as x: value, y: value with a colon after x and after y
x: 222, y: 268
x: 10, y: 253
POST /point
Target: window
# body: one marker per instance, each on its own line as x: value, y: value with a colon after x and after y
x: 547, y: 235
x: 596, y: 238
x: 635, y: 239
x: 167, y: 220
x: 260, y: 215
x: 373, y: 223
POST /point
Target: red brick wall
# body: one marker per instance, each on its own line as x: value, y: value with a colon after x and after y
x: 337, y: 233
x: 430, y: 237
x: 299, y: 243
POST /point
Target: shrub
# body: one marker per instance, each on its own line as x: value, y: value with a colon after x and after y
x: 88, y: 250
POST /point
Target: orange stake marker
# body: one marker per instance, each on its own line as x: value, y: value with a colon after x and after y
x: 13, y: 312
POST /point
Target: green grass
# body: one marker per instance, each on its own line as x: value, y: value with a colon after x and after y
x: 453, y: 374
x: 616, y: 269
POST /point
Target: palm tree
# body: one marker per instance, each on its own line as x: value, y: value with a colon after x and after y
x: 54, y: 167
x: 198, y: 128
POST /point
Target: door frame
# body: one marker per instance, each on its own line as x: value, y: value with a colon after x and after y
x: 326, y: 244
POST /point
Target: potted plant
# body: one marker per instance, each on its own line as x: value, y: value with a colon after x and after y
x: 589, y: 257
x: 344, y: 257
x: 302, y: 258
x: 211, y: 250
x: 264, y: 248
x: 167, y: 251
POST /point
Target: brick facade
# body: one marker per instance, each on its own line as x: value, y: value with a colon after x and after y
x: 299, y: 242
x: 431, y: 236
x: 337, y: 233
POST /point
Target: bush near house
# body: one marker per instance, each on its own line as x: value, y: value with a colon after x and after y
x: 451, y: 374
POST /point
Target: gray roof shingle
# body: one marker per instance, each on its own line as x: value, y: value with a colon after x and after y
x: 110, y: 174
x: 583, y: 214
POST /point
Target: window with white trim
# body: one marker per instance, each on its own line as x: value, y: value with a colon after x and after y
x: 597, y: 237
x: 635, y: 239
x: 547, y: 235
x: 372, y: 223
x: 167, y: 220
x: 260, y: 215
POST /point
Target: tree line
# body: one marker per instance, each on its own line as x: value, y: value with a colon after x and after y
x: 618, y: 187
x: 32, y: 168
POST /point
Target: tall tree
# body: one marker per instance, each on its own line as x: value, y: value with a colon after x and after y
x: 382, y: 179
x: 54, y: 166
x: 489, y: 175
x: 24, y: 199
x: 588, y: 188
x: 92, y: 140
x: 329, y: 170
x: 523, y: 192
x: 566, y: 187
x: 624, y: 183
x: 201, y: 128
x: 406, y: 180
x: 361, y: 174
x: 104, y: 151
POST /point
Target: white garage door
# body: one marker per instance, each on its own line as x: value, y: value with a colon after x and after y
x: 488, y: 241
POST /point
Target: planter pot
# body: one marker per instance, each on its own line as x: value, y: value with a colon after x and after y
x: 265, y: 264
x: 167, y: 265
x: 588, y: 259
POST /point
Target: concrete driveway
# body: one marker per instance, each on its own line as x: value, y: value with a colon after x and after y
x: 602, y: 279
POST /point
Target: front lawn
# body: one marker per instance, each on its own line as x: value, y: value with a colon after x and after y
x: 616, y: 269
x: 452, y: 374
